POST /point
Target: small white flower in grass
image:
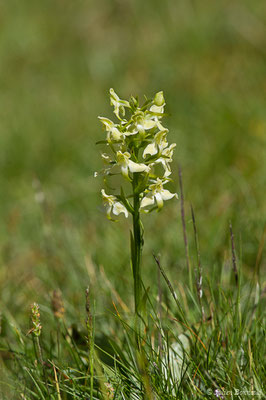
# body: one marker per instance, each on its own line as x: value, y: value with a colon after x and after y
x: 123, y: 160
x: 112, y: 205
x: 119, y: 105
x: 218, y: 394
x: 173, y: 365
x: 113, y: 133
x: 157, y: 193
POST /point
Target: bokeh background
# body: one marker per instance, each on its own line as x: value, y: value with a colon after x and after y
x: 58, y: 59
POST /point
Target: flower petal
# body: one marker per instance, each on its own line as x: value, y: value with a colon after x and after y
x: 147, y: 201
x: 108, y: 212
x: 119, y: 105
x: 116, y: 134
x: 167, y: 170
x: 157, y: 109
x: 124, y: 170
x: 119, y: 208
x: 131, y: 131
x: 159, y: 200
x: 107, y: 123
x: 148, y: 123
x: 135, y: 167
x: 150, y: 149
x: 166, y: 195
x: 108, y: 199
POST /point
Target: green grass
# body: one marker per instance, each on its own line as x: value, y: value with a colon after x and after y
x: 58, y: 60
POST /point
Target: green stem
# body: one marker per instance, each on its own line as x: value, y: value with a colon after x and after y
x: 136, y: 252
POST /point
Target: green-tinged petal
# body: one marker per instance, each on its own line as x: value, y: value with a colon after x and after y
x: 135, y: 167
x: 108, y: 212
x: 119, y: 208
x: 157, y: 109
x: 131, y: 131
x: 107, y: 123
x: 147, y: 201
x: 167, y: 171
x: 124, y: 170
x: 116, y: 134
x: 159, y: 199
x: 166, y: 158
x: 166, y: 166
x: 119, y: 105
x: 166, y: 195
x: 148, y: 123
x: 108, y: 199
x: 161, y: 127
x: 150, y: 149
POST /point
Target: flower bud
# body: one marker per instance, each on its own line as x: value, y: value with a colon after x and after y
x: 159, y: 99
x: 133, y: 103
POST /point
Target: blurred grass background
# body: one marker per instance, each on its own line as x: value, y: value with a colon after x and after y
x: 58, y: 60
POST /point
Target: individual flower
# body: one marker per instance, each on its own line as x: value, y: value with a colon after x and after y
x: 144, y: 121
x: 123, y: 160
x: 112, y: 205
x: 119, y: 105
x: 156, y: 192
x: 157, y: 145
x: 166, y: 158
x: 113, y: 133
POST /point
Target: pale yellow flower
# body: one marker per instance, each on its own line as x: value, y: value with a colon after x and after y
x: 112, y: 205
x: 157, y: 194
x: 166, y: 158
x: 113, y: 133
x: 119, y: 104
x: 123, y: 160
x: 157, y: 145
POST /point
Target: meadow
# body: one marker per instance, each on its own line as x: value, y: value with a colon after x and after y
x: 58, y: 60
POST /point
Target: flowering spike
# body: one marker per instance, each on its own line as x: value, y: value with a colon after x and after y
x: 138, y: 143
x: 35, y: 320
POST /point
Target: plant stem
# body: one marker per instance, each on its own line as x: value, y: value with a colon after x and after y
x: 136, y: 251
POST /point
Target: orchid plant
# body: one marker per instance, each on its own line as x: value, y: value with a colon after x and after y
x: 137, y: 148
